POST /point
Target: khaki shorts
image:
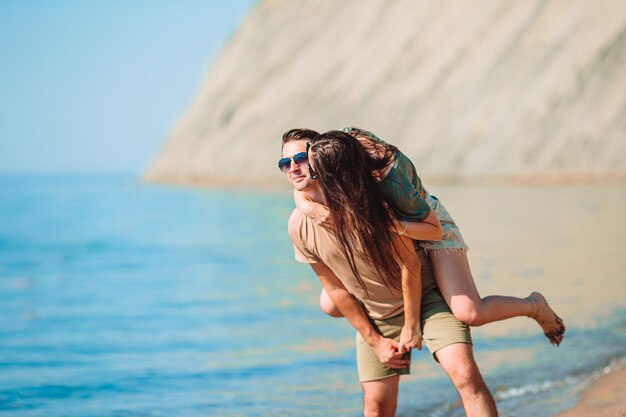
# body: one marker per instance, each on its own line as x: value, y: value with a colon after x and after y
x: 439, y: 329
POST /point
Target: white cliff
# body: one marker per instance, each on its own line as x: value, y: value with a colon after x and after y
x: 468, y: 89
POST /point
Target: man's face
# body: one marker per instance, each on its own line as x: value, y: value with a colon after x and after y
x: 298, y: 174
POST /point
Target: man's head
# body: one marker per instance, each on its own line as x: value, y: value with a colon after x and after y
x: 294, y: 162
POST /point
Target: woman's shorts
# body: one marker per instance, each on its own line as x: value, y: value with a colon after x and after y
x: 439, y: 329
x: 452, y: 238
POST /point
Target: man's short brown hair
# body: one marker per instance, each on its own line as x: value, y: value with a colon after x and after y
x: 299, y: 134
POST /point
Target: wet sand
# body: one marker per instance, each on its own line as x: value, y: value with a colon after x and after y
x: 605, y: 398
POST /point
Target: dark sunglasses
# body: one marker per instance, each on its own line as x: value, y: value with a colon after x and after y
x: 311, y: 172
x: 301, y: 158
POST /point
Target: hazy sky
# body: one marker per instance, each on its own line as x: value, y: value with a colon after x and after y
x: 96, y: 86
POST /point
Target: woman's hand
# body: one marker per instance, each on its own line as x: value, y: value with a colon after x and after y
x: 399, y: 226
x: 321, y: 216
x: 410, y: 338
x: 387, y: 352
x: 319, y: 213
x: 428, y: 229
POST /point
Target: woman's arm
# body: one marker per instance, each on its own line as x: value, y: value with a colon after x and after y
x: 386, y: 349
x: 411, y: 334
x: 317, y: 212
x: 427, y: 229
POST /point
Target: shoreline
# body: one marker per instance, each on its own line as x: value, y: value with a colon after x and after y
x: 606, y: 397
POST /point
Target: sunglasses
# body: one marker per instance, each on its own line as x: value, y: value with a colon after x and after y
x: 301, y: 158
x: 311, y: 172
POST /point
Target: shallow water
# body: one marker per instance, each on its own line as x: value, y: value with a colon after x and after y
x: 120, y: 299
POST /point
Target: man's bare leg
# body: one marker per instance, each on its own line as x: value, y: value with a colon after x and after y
x: 458, y: 362
x: 380, y: 398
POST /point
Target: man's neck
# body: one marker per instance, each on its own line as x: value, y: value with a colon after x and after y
x: 315, y: 195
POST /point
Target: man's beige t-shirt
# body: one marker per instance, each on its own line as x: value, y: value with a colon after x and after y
x: 313, y: 243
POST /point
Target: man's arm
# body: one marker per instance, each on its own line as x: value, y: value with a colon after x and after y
x: 411, y: 268
x: 386, y: 349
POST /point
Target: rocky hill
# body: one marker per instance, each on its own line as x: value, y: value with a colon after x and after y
x: 468, y: 89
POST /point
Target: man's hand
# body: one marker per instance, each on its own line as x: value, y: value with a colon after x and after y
x: 388, y: 354
x: 410, y: 338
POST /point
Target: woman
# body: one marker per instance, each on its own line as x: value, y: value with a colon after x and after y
x: 365, y: 228
x: 402, y: 188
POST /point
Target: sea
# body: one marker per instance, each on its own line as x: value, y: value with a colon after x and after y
x: 119, y: 298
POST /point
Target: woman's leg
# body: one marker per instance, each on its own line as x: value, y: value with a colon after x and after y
x: 327, y: 305
x: 454, y: 277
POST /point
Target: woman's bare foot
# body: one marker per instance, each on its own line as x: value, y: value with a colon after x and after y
x: 552, y: 325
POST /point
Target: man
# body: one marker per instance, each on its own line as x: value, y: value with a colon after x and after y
x: 377, y: 315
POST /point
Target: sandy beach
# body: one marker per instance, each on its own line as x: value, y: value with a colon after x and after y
x: 605, y: 398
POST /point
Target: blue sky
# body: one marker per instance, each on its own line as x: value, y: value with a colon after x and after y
x: 96, y: 87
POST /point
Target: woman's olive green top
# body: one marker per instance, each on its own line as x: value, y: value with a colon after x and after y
x: 402, y: 189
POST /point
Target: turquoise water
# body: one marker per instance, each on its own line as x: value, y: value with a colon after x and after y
x: 121, y: 299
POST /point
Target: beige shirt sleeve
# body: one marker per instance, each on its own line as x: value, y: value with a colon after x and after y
x: 297, y: 226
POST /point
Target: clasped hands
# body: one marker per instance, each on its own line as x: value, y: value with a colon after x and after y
x: 390, y: 352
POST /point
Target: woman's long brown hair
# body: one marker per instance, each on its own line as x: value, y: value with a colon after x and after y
x: 362, y: 221
x: 381, y: 152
